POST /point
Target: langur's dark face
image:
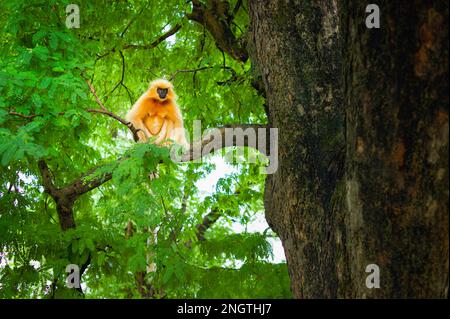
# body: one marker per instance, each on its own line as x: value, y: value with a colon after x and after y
x: 161, y: 90
x: 162, y: 93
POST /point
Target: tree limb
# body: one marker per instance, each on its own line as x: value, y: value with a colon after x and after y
x: 92, y: 89
x: 228, y: 68
x: 217, y: 140
x: 104, y: 110
x: 118, y: 118
x: 208, y: 220
x: 209, y: 144
x: 155, y: 43
x: 47, y: 180
x: 216, y: 17
x: 152, y: 45
x: 201, y: 228
x: 23, y: 115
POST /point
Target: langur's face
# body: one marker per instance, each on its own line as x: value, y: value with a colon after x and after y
x: 161, y: 90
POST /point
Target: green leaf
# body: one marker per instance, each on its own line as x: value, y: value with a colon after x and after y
x: 58, y: 69
x: 41, y: 53
x: 36, y: 99
x: 45, y: 83
x: 167, y: 275
x: 53, y: 41
x: 90, y: 244
x: 9, y: 154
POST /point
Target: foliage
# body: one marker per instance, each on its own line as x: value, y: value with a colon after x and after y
x: 44, y: 100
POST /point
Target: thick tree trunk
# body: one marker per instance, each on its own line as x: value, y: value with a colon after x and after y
x: 294, y: 45
x: 390, y: 208
x: 396, y: 98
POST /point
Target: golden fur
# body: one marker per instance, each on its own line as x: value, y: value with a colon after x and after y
x: 158, y: 116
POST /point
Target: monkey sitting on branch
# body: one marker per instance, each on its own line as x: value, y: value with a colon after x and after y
x: 156, y: 114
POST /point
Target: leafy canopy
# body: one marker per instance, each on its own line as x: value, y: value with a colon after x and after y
x: 44, y: 100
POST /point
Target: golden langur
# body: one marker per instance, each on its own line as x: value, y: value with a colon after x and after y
x: 156, y: 114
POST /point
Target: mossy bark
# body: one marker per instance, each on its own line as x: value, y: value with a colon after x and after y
x: 295, y: 48
x: 396, y: 98
x: 363, y: 157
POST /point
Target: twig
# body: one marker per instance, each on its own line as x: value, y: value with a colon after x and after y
x: 122, y: 78
x: 152, y: 45
x: 24, y: 116
x: 235, y: 10
x: 118, y: 118
x: 172, y: 77
x: 105, y: 111
x: 224, y: 67
x: 131, y: 22
x: 155, y: 43
x: 91, y: 88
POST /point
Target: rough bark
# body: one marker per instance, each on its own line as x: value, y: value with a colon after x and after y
x: 64, y: 201
x: 396, y: 98
x: 390, y: 208
x: 295, y: 47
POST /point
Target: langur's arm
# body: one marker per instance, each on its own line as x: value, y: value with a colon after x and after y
x: 143, y: 133
x: 163, y: 132
x: 136, y: 116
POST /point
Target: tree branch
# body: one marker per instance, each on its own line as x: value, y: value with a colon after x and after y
x: 228, y: 68
x: 172, y: 77
x: 155, y: 43
x: 86, y: 183
x: 100, y: 111
x: 207, y: 145
x: 47, y: 180
x: 131, y: 22
x: 92, y: 89
x: 23, y: 115
x: 104, y: 111
x: 217, y: 140
x: 122, y: 78
x: 207, y: 222
x: 152, y: 45
x: 216, y: 18
x: 110, y: 114
x: 201, y: 228
x: 235, y: 10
